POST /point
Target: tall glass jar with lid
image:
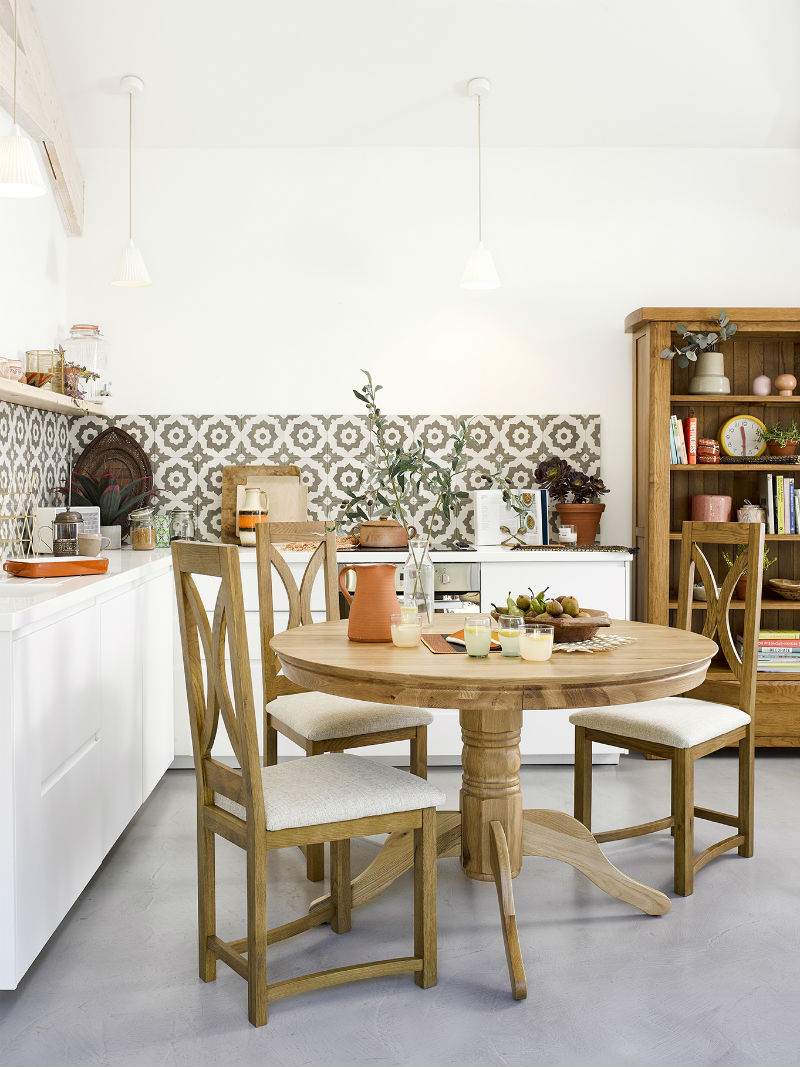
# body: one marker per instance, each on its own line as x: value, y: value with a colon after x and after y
x: 86, y: 349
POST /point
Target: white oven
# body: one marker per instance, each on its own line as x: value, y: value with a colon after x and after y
x: 456, y: 587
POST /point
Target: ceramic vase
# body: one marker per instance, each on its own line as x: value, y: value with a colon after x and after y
x: 762, y: 385
x: 709, y: 374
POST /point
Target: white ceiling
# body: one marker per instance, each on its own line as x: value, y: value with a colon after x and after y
x: 588, y: 73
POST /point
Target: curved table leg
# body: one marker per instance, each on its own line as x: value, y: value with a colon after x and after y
x: 501, y: 868
x: 558, y: 836
x: 397, y: 856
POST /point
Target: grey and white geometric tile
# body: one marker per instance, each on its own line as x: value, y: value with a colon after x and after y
x: 259, y: 438
x: 83, y: 429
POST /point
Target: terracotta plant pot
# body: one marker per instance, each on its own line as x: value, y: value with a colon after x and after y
x: 775, y: 449
x: 740, y: 589
x: 584, y: 517
x: 374, y: 602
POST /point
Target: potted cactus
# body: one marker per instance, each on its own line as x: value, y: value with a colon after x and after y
x: 584, y: 508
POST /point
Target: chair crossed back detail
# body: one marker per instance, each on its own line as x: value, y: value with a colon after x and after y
x: 268, y: 536
x: 716, y: 624
x: 206, y: 643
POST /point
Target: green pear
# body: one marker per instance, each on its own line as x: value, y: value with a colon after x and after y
x: 570, y: 606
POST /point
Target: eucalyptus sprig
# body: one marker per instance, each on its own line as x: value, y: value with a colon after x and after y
x: 699, y: 341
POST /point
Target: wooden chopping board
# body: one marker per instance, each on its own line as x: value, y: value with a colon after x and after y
x: 236, y: 476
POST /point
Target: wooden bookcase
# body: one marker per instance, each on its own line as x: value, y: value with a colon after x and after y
x: 767, y: 342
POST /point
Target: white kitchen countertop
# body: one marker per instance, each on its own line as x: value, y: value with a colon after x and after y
x: 25, y: 601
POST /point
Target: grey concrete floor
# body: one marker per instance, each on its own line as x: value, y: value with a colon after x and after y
x: 716, y: 981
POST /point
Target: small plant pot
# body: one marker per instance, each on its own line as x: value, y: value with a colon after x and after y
x: 740, y: 589
x: 584, y: 517
x: 775, y: 449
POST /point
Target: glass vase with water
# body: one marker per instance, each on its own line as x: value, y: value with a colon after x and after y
x: 418, y: 579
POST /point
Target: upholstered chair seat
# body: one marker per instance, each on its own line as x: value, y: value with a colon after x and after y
x: 679, y: 722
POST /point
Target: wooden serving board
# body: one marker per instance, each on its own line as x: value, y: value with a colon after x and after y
x: 232, y: 477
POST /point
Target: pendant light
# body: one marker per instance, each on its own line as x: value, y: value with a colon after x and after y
x: 19, y: 174
x: 480, y: 271
x: 131, y: 271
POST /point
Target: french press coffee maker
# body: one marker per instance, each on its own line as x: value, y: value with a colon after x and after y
x: 65, y: 533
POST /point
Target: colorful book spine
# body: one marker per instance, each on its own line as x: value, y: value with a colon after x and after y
x: 797, y: 510
x: 770, y: 502
x: 690, y: 439
x: 779, y: 511
x: 672, y: 458
x: 788, y: 490
x: 781, y: 635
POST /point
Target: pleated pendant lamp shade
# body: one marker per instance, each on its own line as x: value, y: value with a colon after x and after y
x: 480, y: 271
x: 19, y: 172
x: 131, y: 270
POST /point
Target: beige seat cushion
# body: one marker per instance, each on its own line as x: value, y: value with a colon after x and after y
x: 319, y: 716
x: 677, y: 721
x: 333, y: 788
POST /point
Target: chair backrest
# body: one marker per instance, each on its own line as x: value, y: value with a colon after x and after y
x: 748, y: 539
x: 268, y: 536
x: 205, y: 643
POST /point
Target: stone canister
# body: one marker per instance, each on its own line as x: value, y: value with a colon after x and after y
x: 762, y: 385
x: 374, y: 602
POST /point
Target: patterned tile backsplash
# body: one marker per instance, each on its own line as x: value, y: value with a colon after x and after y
x: 188, y: 452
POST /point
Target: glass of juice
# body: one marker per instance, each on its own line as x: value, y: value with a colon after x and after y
x: 406, y: 631
x: 509, y: 629
x: 536, y: 642
x: 478, y: 635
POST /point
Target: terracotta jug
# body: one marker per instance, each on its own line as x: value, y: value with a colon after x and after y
x: 375, y: 602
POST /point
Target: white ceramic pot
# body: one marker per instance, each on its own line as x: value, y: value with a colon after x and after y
x: 114, y: 535
x: 709, y: 374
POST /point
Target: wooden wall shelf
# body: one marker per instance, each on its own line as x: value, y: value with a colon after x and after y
x: 767, y: 342
x: 31, y: 397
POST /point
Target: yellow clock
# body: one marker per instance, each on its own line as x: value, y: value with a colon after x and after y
x: 742, y: 436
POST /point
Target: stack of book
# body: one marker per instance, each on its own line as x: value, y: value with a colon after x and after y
x: 781, y: 502
x: 682, y: 440
x: 778, y: 650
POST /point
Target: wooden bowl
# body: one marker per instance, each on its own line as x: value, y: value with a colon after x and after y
x: 788, y: 588
x: 568, y: 630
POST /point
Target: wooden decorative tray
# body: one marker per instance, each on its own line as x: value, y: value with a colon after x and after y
x: 235, y: 476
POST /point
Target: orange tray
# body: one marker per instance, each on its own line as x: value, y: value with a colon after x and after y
x: 56, y: 566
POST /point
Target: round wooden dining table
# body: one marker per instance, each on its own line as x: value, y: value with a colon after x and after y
x: 492, y: 832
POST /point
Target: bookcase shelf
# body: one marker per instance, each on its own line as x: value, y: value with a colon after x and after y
x: 721, y: 468
x: 767, y: 342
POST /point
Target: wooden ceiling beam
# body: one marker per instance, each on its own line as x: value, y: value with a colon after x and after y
x: 40, y: 114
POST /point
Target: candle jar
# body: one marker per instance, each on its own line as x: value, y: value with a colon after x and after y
x: 536, y: 642
x: 478, y: 636
x: 510, y: 627
x: 143, y: 529
x: 406, y: 630
x: 567, y: 533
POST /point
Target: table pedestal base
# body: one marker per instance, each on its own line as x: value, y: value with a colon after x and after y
x: 551, y: 834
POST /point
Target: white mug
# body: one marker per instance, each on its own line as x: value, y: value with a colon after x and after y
x: 91, y: 544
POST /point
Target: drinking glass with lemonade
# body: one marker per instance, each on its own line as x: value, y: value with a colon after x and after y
x: 478, y: 635
x: 536, y: 642
x: 509, y: 629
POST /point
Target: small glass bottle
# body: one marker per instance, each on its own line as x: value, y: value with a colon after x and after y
x: 163, y: 529
x: 418, y: 578
x: 182, y: 525
x: 143, y: 529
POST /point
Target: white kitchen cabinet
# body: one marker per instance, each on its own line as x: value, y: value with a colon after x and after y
x: 85, y: 732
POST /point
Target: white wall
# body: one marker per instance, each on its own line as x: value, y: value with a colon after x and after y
x: 33, y: 254
x: 278, y: 274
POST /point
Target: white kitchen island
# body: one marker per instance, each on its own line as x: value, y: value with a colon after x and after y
x: 86, y: 732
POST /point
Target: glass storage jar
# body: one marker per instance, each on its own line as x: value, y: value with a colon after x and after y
x: 143, y: 529
x: 84, y: 350
x: 182, y: 525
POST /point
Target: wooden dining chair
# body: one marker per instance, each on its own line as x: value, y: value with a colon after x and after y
x: 332, y: 797
x: 683, y: 729
x: 318, y: 722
